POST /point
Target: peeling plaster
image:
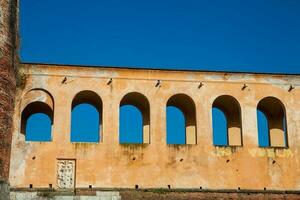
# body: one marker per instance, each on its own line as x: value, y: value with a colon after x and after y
x: 271, y: 152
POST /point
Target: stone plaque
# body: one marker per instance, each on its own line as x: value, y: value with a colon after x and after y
x: 65, y: 174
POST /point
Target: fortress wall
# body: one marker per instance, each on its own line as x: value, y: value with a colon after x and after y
x: 108, y: 164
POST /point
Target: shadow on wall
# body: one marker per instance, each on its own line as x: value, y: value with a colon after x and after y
x: 272, y: 129
x: 227, y: 123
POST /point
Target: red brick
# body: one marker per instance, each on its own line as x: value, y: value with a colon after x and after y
x: 8, y: 48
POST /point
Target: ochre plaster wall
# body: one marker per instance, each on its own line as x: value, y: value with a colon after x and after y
x: 108, y: 164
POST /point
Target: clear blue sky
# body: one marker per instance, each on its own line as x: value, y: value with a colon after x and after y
x: 257, y: 36
x: 230, y: 35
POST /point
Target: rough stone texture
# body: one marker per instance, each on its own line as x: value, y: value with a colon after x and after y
x: 103, y: 195
x: 8, y: 27
x: 153, y: 195
x: 65, y: 174
x: 129, y: 195
x: 8, y: 56
x: 4, y: 190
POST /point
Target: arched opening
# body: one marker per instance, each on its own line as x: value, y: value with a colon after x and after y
x: 263, y: 129
x: 134, y: 119
x: 175, y: 126
x: 181, y: 120
x: 271, y: 119
x: 226, y: 118
x: 86, y: 117
x: 220, y: 135
x: 37, y: 116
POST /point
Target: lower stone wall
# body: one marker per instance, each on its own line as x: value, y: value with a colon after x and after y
x: 4, y: 190
x: 153, y: 194
x: 54, y: 195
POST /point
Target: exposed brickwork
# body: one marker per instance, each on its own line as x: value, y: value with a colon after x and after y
x: 140, y: 195
x: 8, y: 27
x: 159, y: 194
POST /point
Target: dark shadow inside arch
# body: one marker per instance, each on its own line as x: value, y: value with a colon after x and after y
x: 134, y: 119
x: 181, y: 120
x: 37, y: 115
x: 271, y: 119
x: 37, y: 121
x: 226, y: 118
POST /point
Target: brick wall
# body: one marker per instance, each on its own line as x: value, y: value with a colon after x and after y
x: 162, y: 195
x: 8, y: 55
x: 150, y: 194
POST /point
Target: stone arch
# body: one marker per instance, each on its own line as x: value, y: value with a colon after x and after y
x: 232, y: 112
x: 36, y: 101
x: 275, y: 113
x: 186, y: 104
x: 87, y: 96
x: 37, y: 94
x: 141, y: 102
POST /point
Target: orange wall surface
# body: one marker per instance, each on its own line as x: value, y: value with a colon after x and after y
x: 109, y: 164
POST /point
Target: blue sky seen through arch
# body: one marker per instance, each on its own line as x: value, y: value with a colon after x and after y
x: 263, y: 129
x: 175, y: 121
x: 131, y: 125
x: 85, y: 123
x: 38, y: 128
x: 86, y: 128
x: 220, y: 133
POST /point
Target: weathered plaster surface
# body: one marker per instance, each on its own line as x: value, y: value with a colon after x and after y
x: 108, y: 164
